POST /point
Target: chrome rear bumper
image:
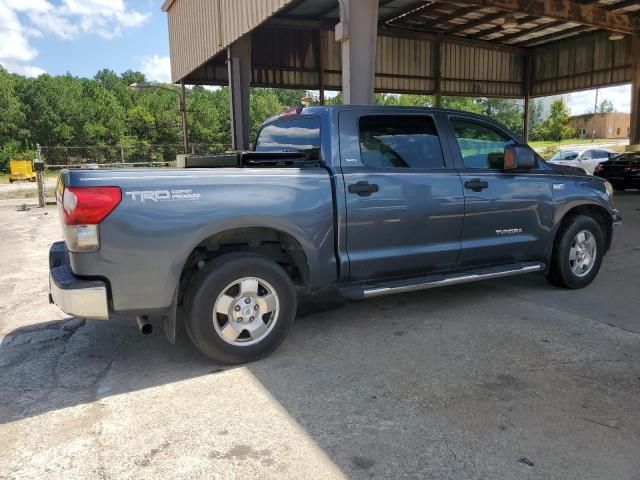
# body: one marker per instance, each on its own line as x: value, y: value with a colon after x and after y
x: 75, y: 296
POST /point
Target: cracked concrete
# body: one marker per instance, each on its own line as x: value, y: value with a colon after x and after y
x: 503, y: 379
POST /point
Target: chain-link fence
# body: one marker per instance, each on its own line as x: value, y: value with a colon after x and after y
x: 113, y: 156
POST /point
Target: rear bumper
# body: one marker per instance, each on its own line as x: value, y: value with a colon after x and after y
x: 75, y: 296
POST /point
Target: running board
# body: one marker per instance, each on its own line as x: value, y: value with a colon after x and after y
x: 360, y: 292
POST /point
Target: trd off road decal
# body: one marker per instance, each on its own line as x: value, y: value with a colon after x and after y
x: 162, y: 195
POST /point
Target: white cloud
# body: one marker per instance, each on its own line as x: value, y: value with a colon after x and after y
x: 22, y: 19
x: 22, y: 69
x: 156, y: 68
x: 583, y: 102
x: 14, y: 45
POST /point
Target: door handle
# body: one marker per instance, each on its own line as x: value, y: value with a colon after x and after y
x: 476, y: 184
x: 364, y: 189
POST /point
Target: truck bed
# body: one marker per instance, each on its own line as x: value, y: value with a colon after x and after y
x: 166, y: 213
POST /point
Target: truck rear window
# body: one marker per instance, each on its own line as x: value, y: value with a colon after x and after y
x: 299, y: 134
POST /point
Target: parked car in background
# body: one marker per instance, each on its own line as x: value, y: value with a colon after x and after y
x: 622, y: 171
x: 586, y: 160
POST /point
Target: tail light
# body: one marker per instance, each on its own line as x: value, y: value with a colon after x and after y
x: 89, y: 205
x: 598, y: 169
x: 82, y: 210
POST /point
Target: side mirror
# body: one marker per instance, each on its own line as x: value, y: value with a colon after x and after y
x: 519, y: 157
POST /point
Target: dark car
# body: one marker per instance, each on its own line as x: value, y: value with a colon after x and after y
x: 622, y: 172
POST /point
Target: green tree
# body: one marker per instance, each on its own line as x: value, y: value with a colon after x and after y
x: 606, y: 106
x: 466, y: 104
x: 535, y: 120
x: 131, y: 76
x: 556, y: 127
x: 507, y: 111
x: 264, y: 104
x: 12, y: 118
x: 117, y: 86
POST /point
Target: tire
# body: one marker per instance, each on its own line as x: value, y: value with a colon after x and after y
x: 567, y: 270
x: 264, y: 317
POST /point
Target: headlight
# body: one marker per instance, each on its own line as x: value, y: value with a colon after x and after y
x: 609, y: 188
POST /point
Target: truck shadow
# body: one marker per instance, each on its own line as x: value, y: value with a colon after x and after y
x: 58, y: 364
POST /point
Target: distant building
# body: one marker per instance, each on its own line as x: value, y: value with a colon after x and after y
x: 606, y: 125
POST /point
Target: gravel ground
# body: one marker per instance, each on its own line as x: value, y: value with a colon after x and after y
x: 508, y: 379
x: 27, y: 190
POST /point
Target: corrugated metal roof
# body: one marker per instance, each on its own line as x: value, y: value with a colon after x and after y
x: 581, y: 63
x: 289, y: 36
x: 199, y: 29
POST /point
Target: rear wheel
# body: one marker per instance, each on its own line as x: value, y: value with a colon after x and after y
x: 577, y: 253
x: 240, y: 307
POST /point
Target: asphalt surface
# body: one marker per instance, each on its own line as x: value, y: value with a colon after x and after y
x: 507, y: 379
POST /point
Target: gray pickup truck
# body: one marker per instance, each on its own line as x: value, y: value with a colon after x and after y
x: 358, y: 200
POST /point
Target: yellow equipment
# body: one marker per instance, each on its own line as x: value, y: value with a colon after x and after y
x: 21, y: 170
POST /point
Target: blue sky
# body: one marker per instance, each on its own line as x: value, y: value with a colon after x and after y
x: 84, y: 36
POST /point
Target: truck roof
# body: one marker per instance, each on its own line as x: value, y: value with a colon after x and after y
x: 301, y: 110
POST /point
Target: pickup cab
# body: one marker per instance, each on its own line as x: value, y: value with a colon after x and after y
x: 359, y: 200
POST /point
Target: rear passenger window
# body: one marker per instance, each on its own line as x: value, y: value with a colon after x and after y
x: 388, y: 141
x: 297, y: 134
x: 481, y: 146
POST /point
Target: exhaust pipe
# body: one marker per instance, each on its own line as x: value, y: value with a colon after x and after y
x: 143, y: 324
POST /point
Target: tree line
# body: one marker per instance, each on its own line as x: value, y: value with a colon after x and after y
x: 67, y: 110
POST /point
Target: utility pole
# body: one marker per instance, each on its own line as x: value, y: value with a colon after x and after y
x: 595, y: 112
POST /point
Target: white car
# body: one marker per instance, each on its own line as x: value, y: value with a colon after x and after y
x: 586, y: 159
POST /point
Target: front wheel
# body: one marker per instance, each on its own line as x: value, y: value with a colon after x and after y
x: 577, y: 253
x: 240, y: 307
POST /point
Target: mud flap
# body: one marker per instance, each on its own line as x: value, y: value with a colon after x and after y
x: 169, y: 325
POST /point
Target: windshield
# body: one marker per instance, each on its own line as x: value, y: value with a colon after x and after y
x: 564, y: 155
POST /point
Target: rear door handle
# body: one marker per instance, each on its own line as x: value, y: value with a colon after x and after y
x: 476, y: 184
x: 364, y: 189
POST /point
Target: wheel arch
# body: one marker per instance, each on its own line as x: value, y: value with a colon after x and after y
x: 276, y: 243
x: 593, y: 210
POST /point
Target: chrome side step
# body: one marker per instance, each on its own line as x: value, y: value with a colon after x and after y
x: 360, y: 292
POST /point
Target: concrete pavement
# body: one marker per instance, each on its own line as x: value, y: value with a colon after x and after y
x: 504, y: 379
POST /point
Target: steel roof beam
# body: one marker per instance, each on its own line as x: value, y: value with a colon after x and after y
x: 552, y: 36
x: 499, y: 28
x: 529, y: 31
x: 477, y: 22
x: 621, y: 5
x: 592, y: 15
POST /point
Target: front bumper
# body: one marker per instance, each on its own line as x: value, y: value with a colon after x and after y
x: 75, y: 296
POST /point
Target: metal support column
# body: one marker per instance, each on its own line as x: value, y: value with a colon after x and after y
x: 185, y: 124
x: 527, y: 99
x: 239, y: 67
x: 634, y: 132
x: 439, y: 63
x: 358, y: 32
x: 320, y: 62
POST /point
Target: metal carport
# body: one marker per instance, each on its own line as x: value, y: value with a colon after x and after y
x: 494, y: 48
